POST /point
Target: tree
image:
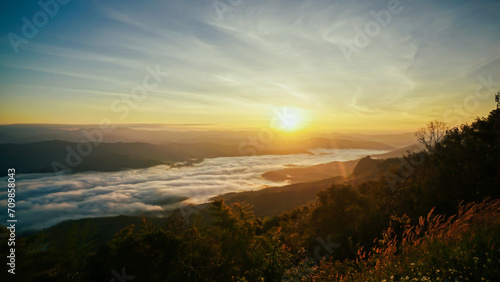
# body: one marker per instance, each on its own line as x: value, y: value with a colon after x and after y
x: 431, y: 135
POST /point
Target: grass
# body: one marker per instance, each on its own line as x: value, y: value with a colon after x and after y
x: 463, y: 247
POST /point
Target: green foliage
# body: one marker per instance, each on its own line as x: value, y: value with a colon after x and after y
x: 226, y: 250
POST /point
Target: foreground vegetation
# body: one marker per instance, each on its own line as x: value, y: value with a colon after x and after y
x: 431, y: 216
x: 463, y: 247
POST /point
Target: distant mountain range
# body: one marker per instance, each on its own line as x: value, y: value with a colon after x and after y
x: 38, y: 157
x: 27, y: 133
x: 157, y: 134
x: 33, y: 148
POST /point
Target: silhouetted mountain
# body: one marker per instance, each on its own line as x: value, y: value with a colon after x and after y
x: 417, y: 147
x: 40, y: 156
x: 327, y: 143
x: 338, y: 168
x: 275, y: 200
x: 29, y: 133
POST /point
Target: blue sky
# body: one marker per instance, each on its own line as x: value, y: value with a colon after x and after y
x: 260, y: 56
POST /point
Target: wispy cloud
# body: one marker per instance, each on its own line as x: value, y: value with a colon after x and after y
x: 263, y: 54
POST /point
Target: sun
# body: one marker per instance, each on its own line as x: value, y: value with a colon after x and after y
x: 287, y: 119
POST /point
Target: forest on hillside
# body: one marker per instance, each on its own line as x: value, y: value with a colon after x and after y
x: 432, y: 216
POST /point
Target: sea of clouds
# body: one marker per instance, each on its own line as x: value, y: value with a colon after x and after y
x: 43, y: 200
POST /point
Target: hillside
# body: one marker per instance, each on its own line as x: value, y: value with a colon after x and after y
x: 268, y: 202
x: 339, y: 168
x: 275, y: 200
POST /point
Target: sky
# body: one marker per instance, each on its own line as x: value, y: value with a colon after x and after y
x: 336, y: 65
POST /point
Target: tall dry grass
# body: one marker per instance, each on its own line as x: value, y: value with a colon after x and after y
x: 462, y: 247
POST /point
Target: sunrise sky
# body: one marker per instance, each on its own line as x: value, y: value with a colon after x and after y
x: 242, y: 66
